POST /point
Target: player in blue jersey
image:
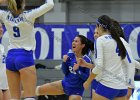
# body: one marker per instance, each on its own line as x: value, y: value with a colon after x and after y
x: 72, y: 84
x: 4, y: 89
x: 19, y: 62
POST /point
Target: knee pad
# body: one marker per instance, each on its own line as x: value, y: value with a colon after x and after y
x: 30, y: 98
x: 37, y: 91
x: 14, y: 99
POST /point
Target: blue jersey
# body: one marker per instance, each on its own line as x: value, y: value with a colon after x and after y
x: 78, y: 77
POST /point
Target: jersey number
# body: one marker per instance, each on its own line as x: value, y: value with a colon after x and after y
x: 117, y: 51
x: 71, y: 70
x: 3, y: 59
x: 16, y: 31
x: 127, y: 55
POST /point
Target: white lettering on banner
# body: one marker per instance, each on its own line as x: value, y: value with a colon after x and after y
x: 57, y: 51
x: 83, y: 31
x: 44, y: 43
x: 133, y: 42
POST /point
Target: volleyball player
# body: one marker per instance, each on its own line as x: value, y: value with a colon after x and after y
x: 109, y: 54
x: 72, y: 84
x: 4, y: 89
x: 19, y: 62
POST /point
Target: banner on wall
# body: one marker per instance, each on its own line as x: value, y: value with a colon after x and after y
x: 53, y: 41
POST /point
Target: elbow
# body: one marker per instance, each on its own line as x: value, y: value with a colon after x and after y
x: 96, y: 70
x: 49, y: 5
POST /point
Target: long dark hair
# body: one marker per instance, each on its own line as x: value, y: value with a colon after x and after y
x: 89, y: 45
x: 107, y: 24
x: 118, y: 29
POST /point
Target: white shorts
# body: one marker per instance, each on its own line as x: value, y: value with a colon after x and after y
x: 3, y: 78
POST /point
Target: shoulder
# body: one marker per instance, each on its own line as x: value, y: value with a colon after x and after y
x: 4, y: 10
x: 87, y: 58
x: 71, y: 53
x: 102, y: 38
x: 27, y: 11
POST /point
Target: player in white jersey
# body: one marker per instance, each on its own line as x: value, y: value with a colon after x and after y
x: 136, y: 63
x: 109, y: 55
x: 131, y: 72
x: 19, y: 62
x: 4, y: 89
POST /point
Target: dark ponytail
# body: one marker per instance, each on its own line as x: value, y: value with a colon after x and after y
x: 107, y: 24
x: 89, y: 45
x: 118, y: 29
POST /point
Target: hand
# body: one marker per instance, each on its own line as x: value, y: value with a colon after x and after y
x: 81, y: 62
x: 75, y: 67
x: 65, y: 57
x: 86, y: 85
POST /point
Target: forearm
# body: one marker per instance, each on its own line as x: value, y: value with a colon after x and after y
x: 65, y: 68
x: 137, y: 64
x: 82, y: 75
x: 89, y: 65
x: 91, y: 77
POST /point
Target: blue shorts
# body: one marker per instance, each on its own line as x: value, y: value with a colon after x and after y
x: 94, y: 84
x: 110, y: 93
x: 72, y: 90
x: 19, y: 58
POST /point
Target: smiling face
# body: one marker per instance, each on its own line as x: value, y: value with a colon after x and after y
x: 96, y: 34
x: 77, y: 46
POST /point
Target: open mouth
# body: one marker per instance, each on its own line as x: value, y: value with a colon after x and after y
x: 73, y: 47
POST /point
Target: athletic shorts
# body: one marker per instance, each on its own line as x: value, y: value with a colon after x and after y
x: 19, y: 58
x: 110, y: 93
x: 72, y: 90
x: 94, y: 84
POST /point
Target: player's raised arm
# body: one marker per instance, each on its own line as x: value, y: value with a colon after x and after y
x: 137, y: 64
x: 35, y: 13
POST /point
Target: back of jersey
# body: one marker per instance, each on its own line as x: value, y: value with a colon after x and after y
x: 21, y: 28
x: 21, y: 31
x: 107, y: 58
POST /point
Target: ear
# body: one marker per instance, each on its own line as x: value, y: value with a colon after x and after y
x: 83, y: 45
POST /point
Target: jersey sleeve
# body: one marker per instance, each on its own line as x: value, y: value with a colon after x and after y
x: 65, y: 68
x: 130, y: 64
x: 84, y: 74
x: 35, y: 13
x: 2, y: 14
x: 98, y: 56
x: 137, y: 64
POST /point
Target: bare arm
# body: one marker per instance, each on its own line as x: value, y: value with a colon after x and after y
x: 89, y: 80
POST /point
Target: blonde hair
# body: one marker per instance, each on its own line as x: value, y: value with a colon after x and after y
x: 12, y: 5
